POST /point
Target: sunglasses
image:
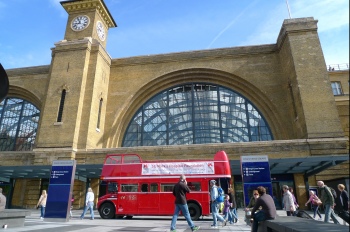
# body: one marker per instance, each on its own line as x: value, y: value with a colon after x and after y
x: 256, y: 194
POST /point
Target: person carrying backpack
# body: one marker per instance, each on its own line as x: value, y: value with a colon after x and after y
x: 327, y: 199
x: 214, y: 202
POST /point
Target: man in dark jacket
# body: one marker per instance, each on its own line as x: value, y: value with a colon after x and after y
x: 328, y: 202
x: 268, y: 208
x: 179, y: 191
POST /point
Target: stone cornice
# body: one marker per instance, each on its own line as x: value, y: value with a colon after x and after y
x: 241, y: 147
x: 44, y: 69
x: 196, y: 55
x: 83, y: 5
x: 295, y: 26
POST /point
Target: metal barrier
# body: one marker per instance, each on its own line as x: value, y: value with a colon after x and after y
x: 337, y: 67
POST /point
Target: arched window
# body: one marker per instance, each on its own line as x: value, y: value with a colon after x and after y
x: 196, y: 113
x: 18, y: 125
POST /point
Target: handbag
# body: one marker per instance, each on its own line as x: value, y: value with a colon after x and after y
x: 316, y: 202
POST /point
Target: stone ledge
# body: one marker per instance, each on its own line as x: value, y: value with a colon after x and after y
x: 295, y: 224
x: 13, y: 217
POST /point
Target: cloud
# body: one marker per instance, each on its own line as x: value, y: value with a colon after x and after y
x: 330, y: 14
x: 232, y: 22
x: 268, y: 27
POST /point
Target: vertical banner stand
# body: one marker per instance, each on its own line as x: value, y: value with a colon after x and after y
x: 255, y: 171
x: 60, y: 191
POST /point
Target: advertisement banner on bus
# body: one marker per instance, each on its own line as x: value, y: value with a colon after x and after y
x: 178, y: 168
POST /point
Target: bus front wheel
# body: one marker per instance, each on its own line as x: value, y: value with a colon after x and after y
x: 107, y: 211
x: 194, y: 210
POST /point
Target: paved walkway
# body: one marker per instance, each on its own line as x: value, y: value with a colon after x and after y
x: 149, y: 224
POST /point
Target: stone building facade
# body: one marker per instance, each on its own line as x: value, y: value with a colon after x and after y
x: 287, y: 82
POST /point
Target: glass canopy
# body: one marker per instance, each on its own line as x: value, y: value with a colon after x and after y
x: 196, y: 113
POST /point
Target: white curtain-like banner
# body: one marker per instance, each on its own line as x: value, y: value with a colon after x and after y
x: 178, y: 168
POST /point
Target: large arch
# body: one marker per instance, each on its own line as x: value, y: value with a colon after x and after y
x: 228, y: 80
x: 25, y: 94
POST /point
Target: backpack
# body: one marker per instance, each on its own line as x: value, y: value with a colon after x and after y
x: 220, y: 197
x: 334, y: 193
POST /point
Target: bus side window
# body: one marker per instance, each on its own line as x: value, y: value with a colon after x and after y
x: 194, y: 186
x: 154, y: 187
x: 166, y: 187
x: 129, y: 187
x: 144, y: 188
x: 112, y: 187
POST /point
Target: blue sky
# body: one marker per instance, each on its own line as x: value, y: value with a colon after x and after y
x: 29, y: 28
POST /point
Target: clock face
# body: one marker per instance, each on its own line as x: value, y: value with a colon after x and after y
x: 100, y: 30
x: 80, y: 22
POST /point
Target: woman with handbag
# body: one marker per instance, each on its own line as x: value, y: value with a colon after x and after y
x: 315, y: 202
x: 42, y: 203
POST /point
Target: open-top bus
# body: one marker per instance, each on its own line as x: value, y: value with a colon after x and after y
x: 136, y: 187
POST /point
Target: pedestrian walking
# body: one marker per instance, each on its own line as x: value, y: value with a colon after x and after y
x: 288, y: 201
x: 179, y: 191
x: 89, y: 204
x: 327, y: 200
x: 226, y: 209
x: 291, y: 190
x: 344, y: 199
x: 71, y: 206
x: 42, y: 203
x: 233, y: 217
x: 313, y: 200
x: 215, y: 205
x: 2, y: 200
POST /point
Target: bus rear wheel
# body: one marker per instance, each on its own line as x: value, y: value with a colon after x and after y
x: 194, y: 210
x: 107, y: 211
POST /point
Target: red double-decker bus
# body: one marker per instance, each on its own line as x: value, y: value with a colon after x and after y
x: 136, y: 187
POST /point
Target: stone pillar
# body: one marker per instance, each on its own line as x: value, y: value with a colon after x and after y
x: 302, y: 62
x: 95, y: 185
x: 300, y: 191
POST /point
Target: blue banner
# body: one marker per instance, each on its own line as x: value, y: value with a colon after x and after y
x: 60, y: 190
x: 255, y: 171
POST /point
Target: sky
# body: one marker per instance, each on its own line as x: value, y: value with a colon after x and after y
x: 30, y: 28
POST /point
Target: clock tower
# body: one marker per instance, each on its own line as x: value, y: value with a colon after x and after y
x: 87, y: 18
x: 76, y: 99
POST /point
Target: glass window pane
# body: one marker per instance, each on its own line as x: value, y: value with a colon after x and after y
x: 154, y: 187
x: 166, y: 187
x: 129, y: 187
x: 18, y: 125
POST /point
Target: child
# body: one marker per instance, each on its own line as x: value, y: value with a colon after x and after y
x: 227, y: 205
x: 71, y: 207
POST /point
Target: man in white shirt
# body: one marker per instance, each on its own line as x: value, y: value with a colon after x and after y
x: 89, y: 204
x: 2, y: 201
